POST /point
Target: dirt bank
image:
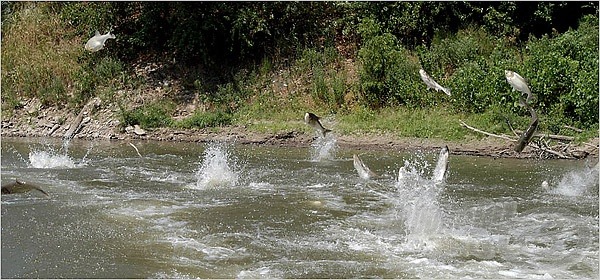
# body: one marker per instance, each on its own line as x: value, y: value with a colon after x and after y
x: 100, y: 121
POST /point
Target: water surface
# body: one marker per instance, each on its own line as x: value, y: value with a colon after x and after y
x: 214, y: 210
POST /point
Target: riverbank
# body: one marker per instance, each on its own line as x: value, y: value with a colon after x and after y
x: 100, y: 121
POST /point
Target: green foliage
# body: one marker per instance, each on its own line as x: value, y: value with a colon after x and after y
x: 157, y: 114
x: 227, y: 53
x: 328, y: 83
x: 205, y: 119
x: 87, y: 17
x: 564, y: 71
x: 104, y: 72
x: 450, y: 53
x: 33, y: 64
x: 388, y: 75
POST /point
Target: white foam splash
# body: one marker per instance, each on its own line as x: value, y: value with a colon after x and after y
x: 323, y: 148
x: 419, y: 207
x: 53, y: 158
x: 263, y: 272
x: 216, y: 168
x: 577, y: 182
x: 45, y: 159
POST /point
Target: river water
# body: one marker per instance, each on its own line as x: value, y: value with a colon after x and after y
x: 221, y: 210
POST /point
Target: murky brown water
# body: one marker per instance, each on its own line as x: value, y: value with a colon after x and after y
x: 189, y: 210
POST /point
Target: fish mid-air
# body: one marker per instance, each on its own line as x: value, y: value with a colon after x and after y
x: 312, y: 120
x: 518, y: 83
x: 20, y: 187
x: 363, y: 171
x: 439, y: 173
x: 431, y: 83
x: 96, y: 43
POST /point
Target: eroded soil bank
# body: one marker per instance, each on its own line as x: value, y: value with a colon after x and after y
x: 99, y: 121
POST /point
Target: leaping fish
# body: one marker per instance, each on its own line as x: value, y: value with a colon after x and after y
x: 431, y: 83
x: 520, y: 84
x: 439, y: 173
x: 363, y: 171
x: 96, y: 43
x: 20, y: 187
x: 312, y: 120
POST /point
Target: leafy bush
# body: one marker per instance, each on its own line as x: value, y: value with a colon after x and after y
x: 564, y: 71
x: 205, y: 119
x: 327, y: 82
x: 87, y: 17
x: 387, y: 74
x: 157, y: 114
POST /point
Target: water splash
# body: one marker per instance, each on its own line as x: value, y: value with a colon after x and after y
x: 417, y: 198
x: 216, y: 168
x: 577, y: 182
x: 324, y: 148
x: 51, y: 158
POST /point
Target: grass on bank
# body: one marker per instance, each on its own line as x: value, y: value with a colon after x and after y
x: 42, y: 63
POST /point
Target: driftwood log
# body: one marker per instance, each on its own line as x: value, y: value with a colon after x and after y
x: 563, y: 149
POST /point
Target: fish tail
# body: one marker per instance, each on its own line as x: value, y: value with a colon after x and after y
x: 42, y: 191
x: 447, y: 91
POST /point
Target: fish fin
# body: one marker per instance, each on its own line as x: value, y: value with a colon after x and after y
x: 97, y: 33
x: 42, y: 191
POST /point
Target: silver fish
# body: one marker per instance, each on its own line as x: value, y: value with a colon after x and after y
x: 20, y: 187
x: 431, y: 83
x: 312, y: 120
x: 363, y: 171
x: 96, y: 43
x: 439, y: 173
x: 518, y: 83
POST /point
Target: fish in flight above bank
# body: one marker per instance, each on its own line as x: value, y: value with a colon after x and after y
x: 431, y: 83
x: 519, y: 84
x: 312, y: 120
x: 96, y: 43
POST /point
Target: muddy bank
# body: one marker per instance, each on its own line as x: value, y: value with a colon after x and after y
x: 98, y: 121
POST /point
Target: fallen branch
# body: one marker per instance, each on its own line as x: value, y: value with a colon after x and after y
x: 551, y: 136
x: 590, y: 145
x: 511, y: 128
x: 573, y: 128
x: 549, y: 150
x: 486, y: 133
x: 560, y: 155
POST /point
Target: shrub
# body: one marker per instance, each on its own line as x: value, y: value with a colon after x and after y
x: 157, y: 114
x: 36, y: 62
x: 205, y: 119
x: 387, y: 74
x: 564, y: 71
